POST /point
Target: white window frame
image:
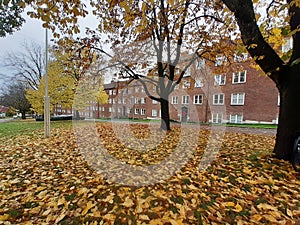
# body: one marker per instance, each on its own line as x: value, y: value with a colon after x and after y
x: 185, y: 99
x: 236, y: 118
x: 143, y: 112
x: 136, y: 111
x: 216, y: 117
x: 154, y: 112
x: 238, y: 76
x: 154, y: 102
x: 220, y: 79
x: 136, y: 100
x: 198, y: 99
x: 186, y: 84
x: 217, y: 100
x: 143, y: 100
x: 174, y: 100
x: 199, y: 82
x: 237, y: 98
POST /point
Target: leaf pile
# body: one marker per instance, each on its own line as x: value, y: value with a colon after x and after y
x: 47, y: 181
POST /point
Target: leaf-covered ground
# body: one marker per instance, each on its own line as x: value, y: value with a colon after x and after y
x: 47, y: 181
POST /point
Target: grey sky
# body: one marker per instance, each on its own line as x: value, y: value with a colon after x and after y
x: 32, y: 31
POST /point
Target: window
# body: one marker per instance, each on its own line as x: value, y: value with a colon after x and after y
x: 154, y: 112
x: 102, y: 108
x: 124, y: 101
x: 278, y: 100
x: 240, y: 57
x: 187, y: 72
x: 217, y: 117
x: 143, y: 111
x: 185, y: 99
x: 199, y: 82
x: 136, y: 111
x: 186, y: 84
x: 220, y: 79
x: 119, y: 101
x: 143, y: 101
x: 110, y: 92
x: 288, y: 45
x: 109, y: 109
x: 125, y: 92
x: 119, y: 110
x: 198, y: 99
x: 136, y: 101
x: 220, y: 61
x: 128, y: 110
x: 137, y: 89
x: 174, y: 100
x: 154, y: 102
x: 239, y: 77
x: 236, y: 118
x: 238, y: 99
x: 142, y: 89
x: 200, y: 64
x: 218, y: 99
x: 110, y: 101
x: 114, y: 92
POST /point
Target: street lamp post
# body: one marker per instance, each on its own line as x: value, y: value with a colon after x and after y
x: 46, y: 97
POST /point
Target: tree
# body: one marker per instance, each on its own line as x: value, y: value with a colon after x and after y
x: 11, y: 16
x: 163, y: 32
x: 61, y: 90
x: 27, y: 65
x: 14, y: 96
x: 285, y: 74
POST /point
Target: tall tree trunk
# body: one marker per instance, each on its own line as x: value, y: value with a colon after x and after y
x: 289, y: 115
x: 23, y: 115
x: 165, y: 114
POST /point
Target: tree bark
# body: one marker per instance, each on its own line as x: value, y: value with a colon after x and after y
x: 289, y: 115
x: 165, y: 115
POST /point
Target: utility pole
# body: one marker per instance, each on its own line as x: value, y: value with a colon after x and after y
x: 46, y: 97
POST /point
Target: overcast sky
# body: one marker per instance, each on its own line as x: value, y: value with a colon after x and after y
x: 31, y: 31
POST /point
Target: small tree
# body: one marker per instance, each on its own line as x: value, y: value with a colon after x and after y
x: 14, y: 96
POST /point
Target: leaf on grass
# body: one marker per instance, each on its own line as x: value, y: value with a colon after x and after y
x: 4, y: 217
x: 128, y: 202
x: 87, y: 208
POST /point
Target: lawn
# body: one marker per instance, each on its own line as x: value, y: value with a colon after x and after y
x: 62, y: 180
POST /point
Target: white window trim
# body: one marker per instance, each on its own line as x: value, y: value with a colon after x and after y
x: 239, y: 77
x: 198, y: 103
x: 237, y: 97
x: 174, y: 100
x: 218, y: 79
x: 217, y: 115
x: 154, y: 114
x: 185, y: 99
x: 234, y: 118
x: 218, y: 103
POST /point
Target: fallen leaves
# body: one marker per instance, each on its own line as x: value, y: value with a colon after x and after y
x: 47, y: 181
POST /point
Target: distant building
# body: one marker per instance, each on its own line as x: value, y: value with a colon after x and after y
x: 3, y: 111
x: 242, y: 95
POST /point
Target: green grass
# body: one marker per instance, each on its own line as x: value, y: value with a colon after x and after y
x: 265, y: 126
x: 27, y: 127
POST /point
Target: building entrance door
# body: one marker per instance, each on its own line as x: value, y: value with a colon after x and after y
x: 184, y: 114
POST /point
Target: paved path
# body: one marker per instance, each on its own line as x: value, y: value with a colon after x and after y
x: 248, y: 130
x: 5, y: 120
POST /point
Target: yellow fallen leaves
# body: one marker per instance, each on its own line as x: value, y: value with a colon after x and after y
x: 49, y: 182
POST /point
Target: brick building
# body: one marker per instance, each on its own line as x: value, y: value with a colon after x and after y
x: 242, y: 95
